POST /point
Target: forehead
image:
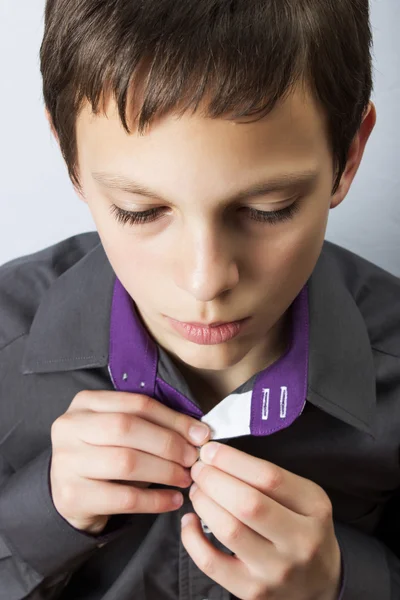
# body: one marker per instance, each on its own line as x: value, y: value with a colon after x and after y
x: 295, y: 128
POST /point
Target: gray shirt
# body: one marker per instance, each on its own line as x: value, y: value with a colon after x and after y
x: 55, y: 310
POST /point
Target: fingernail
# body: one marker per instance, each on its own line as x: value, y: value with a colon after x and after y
x: 198, y: 433
x: 210, y: 450
x: 193, y: 489
x: 177, y: 499
x: 186, y: 520
x: 197, y: 468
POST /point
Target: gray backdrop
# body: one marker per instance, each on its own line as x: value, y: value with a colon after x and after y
x: 37, y: 201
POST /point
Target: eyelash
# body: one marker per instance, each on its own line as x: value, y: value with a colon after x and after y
x: 148, y: 216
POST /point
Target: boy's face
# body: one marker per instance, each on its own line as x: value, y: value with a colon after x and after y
x: 204, y: 259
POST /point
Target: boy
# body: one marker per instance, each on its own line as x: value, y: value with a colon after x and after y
x: 206, y: 297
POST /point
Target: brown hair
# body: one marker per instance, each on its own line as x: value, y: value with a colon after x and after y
x: 243, y: 55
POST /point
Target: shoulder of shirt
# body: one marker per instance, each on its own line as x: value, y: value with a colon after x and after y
x: 376, y: 293
x: 25, y: 280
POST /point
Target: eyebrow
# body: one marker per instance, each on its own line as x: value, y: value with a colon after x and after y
x: 305, y: 178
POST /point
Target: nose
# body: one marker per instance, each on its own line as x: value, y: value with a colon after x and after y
x: 206, y: 265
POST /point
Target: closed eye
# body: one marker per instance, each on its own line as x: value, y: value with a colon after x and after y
x: 153, y: 214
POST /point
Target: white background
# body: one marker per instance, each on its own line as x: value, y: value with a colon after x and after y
x: 39, y: 207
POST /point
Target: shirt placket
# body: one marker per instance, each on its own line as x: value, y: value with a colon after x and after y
x: 193, y: 583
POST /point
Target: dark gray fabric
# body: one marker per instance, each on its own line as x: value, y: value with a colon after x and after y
x: 168, y: 372
x: 54, y: 334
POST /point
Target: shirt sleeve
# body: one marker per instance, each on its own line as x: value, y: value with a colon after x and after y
x: 370, y: 570
x: 37, y: 545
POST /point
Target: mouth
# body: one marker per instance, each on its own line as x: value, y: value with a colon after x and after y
x: 209, y: 334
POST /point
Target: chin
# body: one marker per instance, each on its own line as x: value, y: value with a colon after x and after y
x: 210, y: 358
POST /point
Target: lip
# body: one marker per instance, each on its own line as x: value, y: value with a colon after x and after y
x: 215, y: 324
x: 209, y: 335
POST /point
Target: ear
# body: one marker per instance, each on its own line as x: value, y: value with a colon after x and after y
x: 355, y: 155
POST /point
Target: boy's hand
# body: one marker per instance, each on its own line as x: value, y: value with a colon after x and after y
x: 278, y: 525
x: 108, y: 447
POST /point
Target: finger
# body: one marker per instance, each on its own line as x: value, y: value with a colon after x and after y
x: 128, y: 431
x: 274, y: 522
x: 296, y: 493
x: 108, y: 462
x: 251, y: 548
x: 228, y: 571
x: 90, y: 497
x: 149, y: 408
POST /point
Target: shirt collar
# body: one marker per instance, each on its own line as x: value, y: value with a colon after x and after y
x: 275, y: 398
x: 72, y: 331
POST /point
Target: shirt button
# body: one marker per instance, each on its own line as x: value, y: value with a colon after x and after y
x: 101, y: 545
x: 205, y: 530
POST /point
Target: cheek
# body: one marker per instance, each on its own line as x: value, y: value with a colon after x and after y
x: 301, y: 251
x: 285, y: 261
x: 139, y: 270
x: 131, y: 258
